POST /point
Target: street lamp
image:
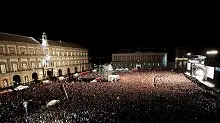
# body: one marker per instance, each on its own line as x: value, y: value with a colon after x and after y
x: 212, y: 52
x: 26, y: 112
x: 188, y: 54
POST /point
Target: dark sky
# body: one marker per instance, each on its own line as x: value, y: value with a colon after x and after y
x: 110, y: 30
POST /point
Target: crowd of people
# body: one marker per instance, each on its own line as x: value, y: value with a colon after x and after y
x: 137, y: 97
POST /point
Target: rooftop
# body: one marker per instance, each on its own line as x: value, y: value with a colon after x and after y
x: 63, y: 44
x: 17, y: 38
x: 31, y: 40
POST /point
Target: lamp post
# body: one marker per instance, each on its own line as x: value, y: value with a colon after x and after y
x: 212, y: 52
x: 26, y: 112
x: 188, y: 54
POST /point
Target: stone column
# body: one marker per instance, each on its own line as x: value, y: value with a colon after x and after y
x: 8, y: 66
x: 36, y: 63
x: 6, y: 49
x: 16, y: 50
x: 27, y: 51
x: 19, y: 64
x: 28, y: 63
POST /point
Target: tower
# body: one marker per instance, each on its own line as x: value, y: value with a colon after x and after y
x: 45, y: 46
x: 44, y: 40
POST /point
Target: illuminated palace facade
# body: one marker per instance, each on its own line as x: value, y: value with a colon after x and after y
x: 24, y: 59
x: 139, y: 60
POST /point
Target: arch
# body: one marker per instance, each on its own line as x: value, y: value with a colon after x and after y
x: 3, y: 67
x: 68, y: 71
x: 49, y: 73
x: 34, y: 76
x: 76, y: 70
x: 14, y: 65
x: 26, y: 78
x: 24, y: 65
x: 60, y: 72
x: 82, y: 68
x: 180, y: 64
x: 5, y: 82
x: 17, y: 80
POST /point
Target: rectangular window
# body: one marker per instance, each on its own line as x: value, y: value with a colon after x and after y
x: 128, y: 58
x: 32, y: 65
x: 3, y: 68
x: 115, y: 58
x: 45, y: 51
x: 37, y: 51
x: 1, y: 50
x: 119, y: 58
x: 15, y: 67
x: 24, y: 65
x: 132, y: 58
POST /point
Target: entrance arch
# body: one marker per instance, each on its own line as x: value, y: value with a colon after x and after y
x: 17, y: 80
x: 60, y: 72
x: 34, y: 76
x: 5, y: 82
x: 138, y: 66
x: 26, y: 79
x: 75, y: 69
x: 68, y: 71
x: 49, y: 73
x: 82, y: 68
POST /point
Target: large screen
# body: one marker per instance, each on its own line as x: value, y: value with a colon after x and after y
x: 198, y: 71
x: 188, y: 66
x: 210, y: 72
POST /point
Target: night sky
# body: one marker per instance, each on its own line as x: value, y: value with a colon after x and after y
x: 106, y: 32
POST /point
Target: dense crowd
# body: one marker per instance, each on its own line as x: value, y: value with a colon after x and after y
x: 137, y: 97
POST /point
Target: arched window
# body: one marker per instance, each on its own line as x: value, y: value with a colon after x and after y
x: 22, y: 50
x: 33, y: 64
x: 24, y: 65
x: 2, y: 67
x: 26, y: 79
x: 5, y: 82
x: 14, y: 66
x: 12, y: 50
x: 31, y: 51
x: 1, y: 50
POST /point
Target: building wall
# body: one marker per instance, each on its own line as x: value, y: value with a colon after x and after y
x: 181, y: 63
x: 142, y: 60
x: 17, y: 58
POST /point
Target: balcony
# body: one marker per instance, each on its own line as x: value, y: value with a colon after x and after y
x: 8, y: 54
x: 20, y: 70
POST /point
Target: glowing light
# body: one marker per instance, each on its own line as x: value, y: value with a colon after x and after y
x: 212, y: 52
x: 61, y: 78
x: 187, y: 73
x: 188, y: 54
x: 210, y: 72
x: 209, y: 84
x: 188, y: 66
x: 48, y: 57
x: 199, y: 74
x: 193, y: 61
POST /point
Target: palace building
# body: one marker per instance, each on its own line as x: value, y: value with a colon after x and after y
x: 139, y: 60
x: 24, y: 59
